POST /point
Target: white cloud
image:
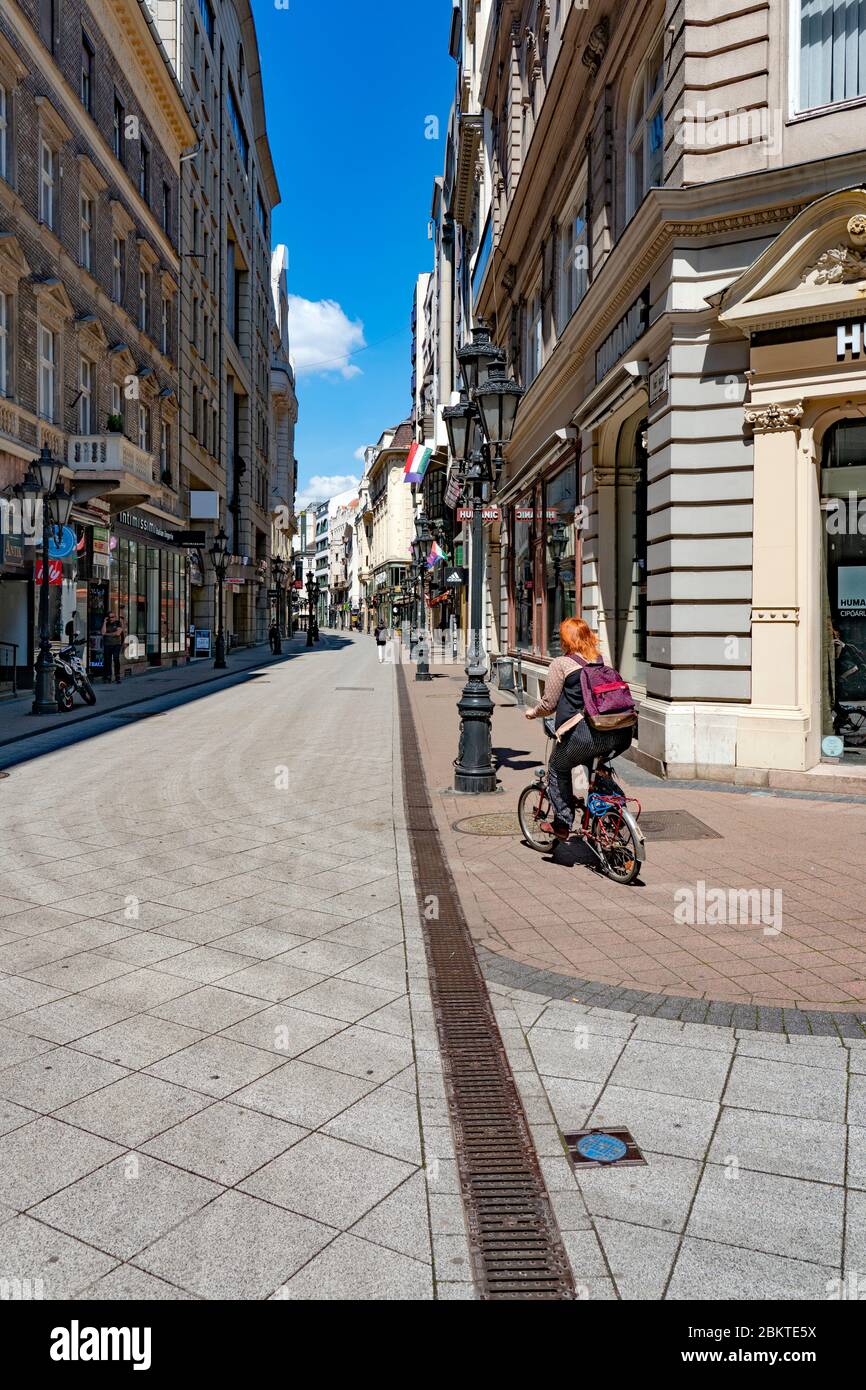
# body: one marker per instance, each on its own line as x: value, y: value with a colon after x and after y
x: 360, y: 454
x: 323, y: 337
x: 323, y: 486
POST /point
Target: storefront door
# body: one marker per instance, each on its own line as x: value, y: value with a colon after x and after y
x: 843, y: 485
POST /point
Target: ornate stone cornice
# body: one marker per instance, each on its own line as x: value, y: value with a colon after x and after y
x: 774, y: 418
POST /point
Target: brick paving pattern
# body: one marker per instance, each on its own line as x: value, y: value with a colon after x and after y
x: 561, y: 918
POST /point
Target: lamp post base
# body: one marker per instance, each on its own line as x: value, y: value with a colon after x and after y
x: 474, y: 770
x: 45, y: 694
x: 220, y: 664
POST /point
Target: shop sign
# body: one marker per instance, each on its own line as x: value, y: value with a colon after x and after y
x: 631, y: 326
x: 852, y: 591
x: 658, y: 382
x: 850, y: 340
x: 55, y: 572
x: 528, y: 514
x: 202, y: 642
x: 147, y: 526
x: 487, y: 514
x: 454, y: 580
x: 59, y: 546
x: 12, y: 550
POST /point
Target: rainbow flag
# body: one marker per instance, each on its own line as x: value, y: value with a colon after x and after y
x: 417, y: 464
x: 436, y: 556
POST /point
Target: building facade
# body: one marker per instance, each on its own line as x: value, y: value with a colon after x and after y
x: 228, y: 317
x: 392, y: 510
x: 92, y: 128
x: 666, y: 234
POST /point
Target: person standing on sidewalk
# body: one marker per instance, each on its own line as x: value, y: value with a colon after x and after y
x: 381, y: 636
x: 113, y: 638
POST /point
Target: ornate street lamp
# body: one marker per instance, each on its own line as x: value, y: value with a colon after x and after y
x: 42, y: 484
x: 220, y: 560
x: 279, y: 567
x: 477, y: 358
x: 479, y: 428
x: 312, y: 599
x: 421, y: 551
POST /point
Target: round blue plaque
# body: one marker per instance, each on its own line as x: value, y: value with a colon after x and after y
x: 601, y: 1148
x: 61, y: 542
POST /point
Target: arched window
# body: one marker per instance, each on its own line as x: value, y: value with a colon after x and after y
x: 646, y: 129
x: 242, y: 69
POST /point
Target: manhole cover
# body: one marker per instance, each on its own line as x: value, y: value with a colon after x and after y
x: 603, y: 1148
x: 675, y: 825
x: 503, y: 823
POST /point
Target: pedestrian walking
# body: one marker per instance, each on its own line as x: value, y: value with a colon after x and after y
x: 381, y: 636
x: 113, y: 638
x: 275, y: 638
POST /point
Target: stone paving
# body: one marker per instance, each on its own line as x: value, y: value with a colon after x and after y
x: 800, y: 946
x: 219, y: 1073
x: 219, y: 1076
x: 755, y: 1183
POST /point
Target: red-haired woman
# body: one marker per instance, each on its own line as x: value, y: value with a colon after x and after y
x: 577, y: 743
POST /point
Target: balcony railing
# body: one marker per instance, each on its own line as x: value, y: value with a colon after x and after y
x: 112, y: 453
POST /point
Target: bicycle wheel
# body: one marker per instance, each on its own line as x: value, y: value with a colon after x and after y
x: 534, y: 808
x: 616, y: 847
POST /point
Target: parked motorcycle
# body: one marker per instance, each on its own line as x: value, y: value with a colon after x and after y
x: 70, y: 676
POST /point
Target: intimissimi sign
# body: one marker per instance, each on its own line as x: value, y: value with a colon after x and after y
x: 631, y: 326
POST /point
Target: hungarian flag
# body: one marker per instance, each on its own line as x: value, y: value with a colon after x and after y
x: 436, y: 556
x: 417, y: 464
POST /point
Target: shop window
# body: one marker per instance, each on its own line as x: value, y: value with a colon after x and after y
x: 843, y: 485
x: 5, y: 344
x: 560, y: 553
x: 646, y: 134
x: 829, y: 57
x: 523, y: 545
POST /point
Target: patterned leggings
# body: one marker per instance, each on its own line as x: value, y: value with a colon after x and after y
x: 579, y: 747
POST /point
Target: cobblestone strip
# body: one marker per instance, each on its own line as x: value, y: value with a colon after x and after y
x: 755, y: 1017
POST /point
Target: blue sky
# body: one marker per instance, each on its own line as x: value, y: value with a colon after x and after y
x: 348, y: 89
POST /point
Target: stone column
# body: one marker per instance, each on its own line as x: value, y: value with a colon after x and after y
x: 773, y: 733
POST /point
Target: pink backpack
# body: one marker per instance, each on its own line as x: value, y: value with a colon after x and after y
x: 606, y: 696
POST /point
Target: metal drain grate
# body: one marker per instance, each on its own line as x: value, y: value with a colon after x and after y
x: 603, y: 1148
x: 356, y: 689
x: 517, y: 1252
x: 675, y: 825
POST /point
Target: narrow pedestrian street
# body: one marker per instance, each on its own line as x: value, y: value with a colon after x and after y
x: 220, y: 1074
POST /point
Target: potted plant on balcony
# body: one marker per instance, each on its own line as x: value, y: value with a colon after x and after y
x: 114, y: 424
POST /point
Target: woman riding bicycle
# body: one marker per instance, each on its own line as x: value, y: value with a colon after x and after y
x: 577, y: 744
